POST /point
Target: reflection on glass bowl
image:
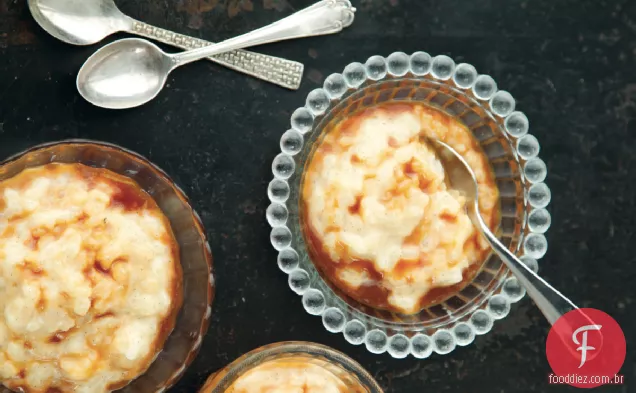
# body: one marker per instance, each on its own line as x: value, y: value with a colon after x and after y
x: 112, y: 168
x: 473, y: 100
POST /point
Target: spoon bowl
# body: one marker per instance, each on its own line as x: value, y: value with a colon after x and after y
x: 79, y: 22
x: 124, y: 74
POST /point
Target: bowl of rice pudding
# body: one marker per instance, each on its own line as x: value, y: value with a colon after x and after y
x: 290, y: 367
x: 96, y: 247
x: 366, y: 225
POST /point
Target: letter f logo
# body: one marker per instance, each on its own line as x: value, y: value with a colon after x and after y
x: 583, y: 345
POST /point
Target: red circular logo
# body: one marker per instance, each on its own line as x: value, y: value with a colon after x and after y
x: 586, y: 348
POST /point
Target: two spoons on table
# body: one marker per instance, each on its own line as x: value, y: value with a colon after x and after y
x: 130, y: 72
x: 87, y: 22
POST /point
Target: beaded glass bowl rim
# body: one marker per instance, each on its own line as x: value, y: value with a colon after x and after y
x: 499, y: 104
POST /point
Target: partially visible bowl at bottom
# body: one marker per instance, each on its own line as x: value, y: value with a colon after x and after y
x: 327, y: 364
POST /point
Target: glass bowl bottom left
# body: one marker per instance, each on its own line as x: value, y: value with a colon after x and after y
x: 184, y: 342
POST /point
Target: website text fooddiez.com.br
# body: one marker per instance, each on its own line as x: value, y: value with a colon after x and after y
x: 585, y: 379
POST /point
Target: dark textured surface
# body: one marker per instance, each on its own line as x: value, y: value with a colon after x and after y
x: 571, y: 65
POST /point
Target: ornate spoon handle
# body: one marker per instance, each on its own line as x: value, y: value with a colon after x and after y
x: 282, y: 72
x: 324, y: 17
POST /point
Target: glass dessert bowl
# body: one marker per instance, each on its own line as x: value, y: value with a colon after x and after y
x: 98, y: 246
x: 292, y: 366
x: 403, y: 271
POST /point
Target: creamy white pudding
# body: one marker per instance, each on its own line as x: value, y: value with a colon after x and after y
x: 379, y: 219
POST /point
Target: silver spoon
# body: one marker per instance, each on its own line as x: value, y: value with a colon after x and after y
x: 130, y: 72
x: 551, y: 302
x: 86, y: 22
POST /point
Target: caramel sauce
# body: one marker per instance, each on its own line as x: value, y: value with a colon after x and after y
x: 355, y: 208
x: 408, y: 169
x: 98, y: 266
x: 32, y: 268
x: 448, y: 217
x: 57, y: 338
x: 32, y: 242
x: 403, y: 267
x: 105, y: 315
x: 128, y: 196
x: 374, y: 294
x: 41, y: 305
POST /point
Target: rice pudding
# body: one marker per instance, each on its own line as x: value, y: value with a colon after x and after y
x: 90, y: 280
x: 378, y: 216
x: 293, y: 375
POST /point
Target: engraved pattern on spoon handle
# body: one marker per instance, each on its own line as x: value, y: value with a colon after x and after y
x: 282, y: 72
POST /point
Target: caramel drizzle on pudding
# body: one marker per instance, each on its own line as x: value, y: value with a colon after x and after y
x: 90, y: 280
x: 380, y: 222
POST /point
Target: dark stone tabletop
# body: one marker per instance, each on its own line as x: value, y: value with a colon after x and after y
x: 570, y: 64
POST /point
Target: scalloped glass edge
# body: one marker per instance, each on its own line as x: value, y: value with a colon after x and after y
x: 498, y: 103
